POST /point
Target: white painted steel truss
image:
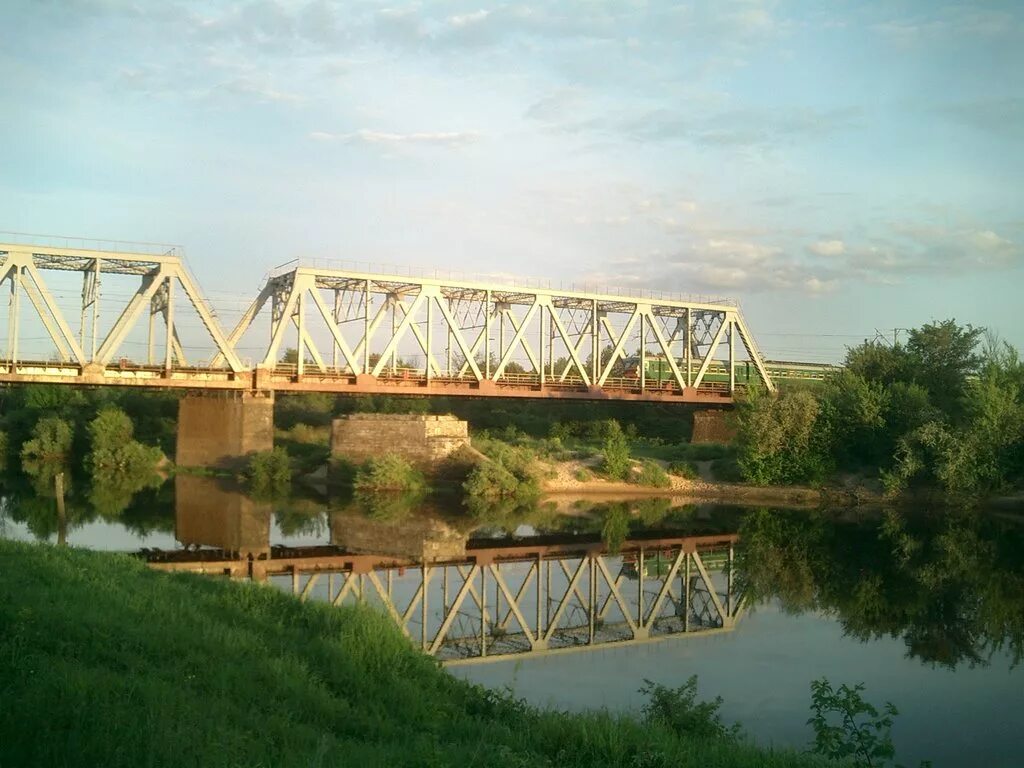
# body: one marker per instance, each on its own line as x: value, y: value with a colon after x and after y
x: 486, y: 338
x: 161, y: 279
x: 494, y: 334
x: 473, y: 611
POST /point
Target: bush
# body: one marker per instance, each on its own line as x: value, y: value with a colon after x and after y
x: 777, y: 439
x: 678, y: 710
x: 51, y: 440
x: 269, y: 473
x: 582, y: 475
x: 616, y: 463
x: 685, y: 469
x: 113, y: 451
x: 389, y: 472
x: 490, y: 480
x: 651, y: 474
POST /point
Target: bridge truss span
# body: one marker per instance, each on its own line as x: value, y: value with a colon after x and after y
x: 386, y: 333
x: 138, y: 318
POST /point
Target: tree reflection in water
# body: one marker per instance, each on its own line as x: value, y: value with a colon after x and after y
x: 950, y: 584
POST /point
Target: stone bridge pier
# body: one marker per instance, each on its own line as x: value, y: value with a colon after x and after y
x: 222, y: 429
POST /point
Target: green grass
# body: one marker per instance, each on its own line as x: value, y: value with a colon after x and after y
x: 103, y: 662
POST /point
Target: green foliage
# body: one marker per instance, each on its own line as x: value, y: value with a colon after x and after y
x: 51, y: 440
x: 615, y: 450
x: 388, y: 473
x: 651, y: 475
x: 848, y: 728
x: 776, y: 440
x: 246, y: 675
x: 269, y: 473
x: 490, y: 480
x: 582, y: 475
x: 679, y: 710
x: 685, y: 469
x: 950, y: 585
x: 113, y: 449
x: 615, y: 527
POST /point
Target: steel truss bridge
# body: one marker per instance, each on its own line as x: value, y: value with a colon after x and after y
x: 538, y: 596
x: 354, y: 332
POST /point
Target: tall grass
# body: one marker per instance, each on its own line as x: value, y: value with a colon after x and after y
x: 103, y: 662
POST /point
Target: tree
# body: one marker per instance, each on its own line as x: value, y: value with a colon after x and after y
x: 615, y: 448
x: 944, y: 356
x: 779, y: 439
x: 51, y: 440
x: 880, y: 363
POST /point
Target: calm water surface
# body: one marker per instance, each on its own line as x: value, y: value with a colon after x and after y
x: 926, y: 609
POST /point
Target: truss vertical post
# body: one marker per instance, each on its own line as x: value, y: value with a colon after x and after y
x: 640, y: 588
x: 95, y: 306
x: 366, y: 325
x: 538, y: 566
x: 300, y: 312
x: 13, y: 316
x: 423, y: 605
x: 501, y: 341
x: 689, y: 348
x: 428, y: 346
x: 151, y: 341
x: 643, y: 353
x: 540, y: 341
x: 547, y: 602
x: 687, y: 597
x: 592, y: 598
x: 335, y: 316
x: 487, y: 335
x: 394, y: 325
x: 448, y: 348
x: 483, y: 611
x: 169, y: 315
x: 728, y: 588
x: 595, y: 343
x: 732, y: 357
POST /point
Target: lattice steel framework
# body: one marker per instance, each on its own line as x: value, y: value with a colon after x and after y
x: 90, y: 351
x: 501, y: 601
x: 385, y: 333
x: 476, y: 334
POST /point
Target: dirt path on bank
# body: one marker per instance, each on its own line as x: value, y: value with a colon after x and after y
x: 578, y: 479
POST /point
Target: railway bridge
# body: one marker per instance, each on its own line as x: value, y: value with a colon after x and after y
x: 134, y: 316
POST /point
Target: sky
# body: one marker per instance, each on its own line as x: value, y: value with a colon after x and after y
x: 840, y: 168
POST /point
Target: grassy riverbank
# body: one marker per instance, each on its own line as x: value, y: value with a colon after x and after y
x: 103, y: 662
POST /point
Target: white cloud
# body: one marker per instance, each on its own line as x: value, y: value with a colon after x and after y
x: 436, y: 139
x: 827, y: 248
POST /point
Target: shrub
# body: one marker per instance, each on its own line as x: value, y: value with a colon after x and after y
x: 389, y: 472
x: 651, y: 474
x: 686, y: 469
x: 113, y: 451
x: 678, y: 710
x: 615, y: 447
x: 582, y: 475
x: 490, y: 480
x: 269, y: 473
x: 848, y: 728
x: 51, y: 440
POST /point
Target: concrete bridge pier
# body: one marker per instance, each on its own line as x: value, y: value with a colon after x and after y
x: 222, y: 429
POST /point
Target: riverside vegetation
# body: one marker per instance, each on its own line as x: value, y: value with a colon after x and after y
x: 942, y: 413
x: 123, y: 666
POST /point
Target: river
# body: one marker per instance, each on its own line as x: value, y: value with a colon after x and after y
x: 574, y: 605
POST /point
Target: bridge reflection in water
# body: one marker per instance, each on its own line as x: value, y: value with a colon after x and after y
x: 465, y: 599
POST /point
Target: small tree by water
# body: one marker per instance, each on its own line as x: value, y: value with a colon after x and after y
x: 51, y: 440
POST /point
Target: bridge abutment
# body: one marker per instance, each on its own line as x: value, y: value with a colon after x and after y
x: 222, y: 429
